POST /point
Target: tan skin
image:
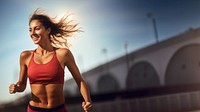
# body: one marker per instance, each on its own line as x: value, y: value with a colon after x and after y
x: 50, y: 95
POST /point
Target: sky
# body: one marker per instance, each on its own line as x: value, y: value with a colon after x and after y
x: 107, y: 24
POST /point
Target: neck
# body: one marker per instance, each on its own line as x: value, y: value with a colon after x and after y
x: 44, y: 49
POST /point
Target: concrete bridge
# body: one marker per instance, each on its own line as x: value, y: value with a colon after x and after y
x: 175, y: 61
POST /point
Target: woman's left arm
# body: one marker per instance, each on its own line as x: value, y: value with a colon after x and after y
x: 71, y: 65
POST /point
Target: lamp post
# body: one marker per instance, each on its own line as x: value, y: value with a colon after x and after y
x: 127, y: 57
x: 150, y: 15
x: 104, y: 51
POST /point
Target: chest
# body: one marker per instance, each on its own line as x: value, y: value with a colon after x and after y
x: 39, y: 59
x: 46, y: 71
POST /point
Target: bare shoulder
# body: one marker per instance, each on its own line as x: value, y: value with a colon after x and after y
x: 64, y: 55
x: 64, y: 52
x: 25, y: 57
x: 26, y: 54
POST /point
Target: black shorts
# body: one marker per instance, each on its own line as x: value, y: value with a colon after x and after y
x: 60, y: 108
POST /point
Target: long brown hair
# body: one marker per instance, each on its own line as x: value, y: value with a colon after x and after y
x: 60, y: 30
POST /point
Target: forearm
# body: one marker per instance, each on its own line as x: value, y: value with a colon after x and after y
x: 85, y: 91
x: 20, y: 86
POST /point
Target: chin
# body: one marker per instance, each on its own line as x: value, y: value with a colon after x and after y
x: 36, y: 41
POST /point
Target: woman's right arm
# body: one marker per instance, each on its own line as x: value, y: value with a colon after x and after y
x: 20, y: 86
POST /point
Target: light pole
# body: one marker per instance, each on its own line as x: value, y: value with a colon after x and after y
x: 150, y: 15
x: 104, y: 51
x: 127, y: 58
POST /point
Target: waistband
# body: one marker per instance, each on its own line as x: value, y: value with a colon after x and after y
x: 47, y: 109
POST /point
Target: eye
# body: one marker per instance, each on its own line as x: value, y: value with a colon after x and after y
x: 37, y: 28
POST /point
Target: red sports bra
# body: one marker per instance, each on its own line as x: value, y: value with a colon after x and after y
x: 48, y: 73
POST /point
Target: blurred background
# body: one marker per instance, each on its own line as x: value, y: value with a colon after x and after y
x: 136, y: 55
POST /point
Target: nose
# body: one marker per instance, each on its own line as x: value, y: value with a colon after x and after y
x: 32, y: 32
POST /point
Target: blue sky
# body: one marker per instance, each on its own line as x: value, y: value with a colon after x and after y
x: 106, y: 24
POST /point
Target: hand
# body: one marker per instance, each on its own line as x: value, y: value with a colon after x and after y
x: 87, y: 106
x: 13, y: 88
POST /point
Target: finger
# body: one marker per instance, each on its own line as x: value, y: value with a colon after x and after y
x: 89, y: 108
x: 11, y: 91
x: 83, y: 104
x: 12, y: 85
x: 12, y: 88
x: 88, y: 104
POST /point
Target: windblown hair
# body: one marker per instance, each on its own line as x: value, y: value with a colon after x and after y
x: 60, y: 30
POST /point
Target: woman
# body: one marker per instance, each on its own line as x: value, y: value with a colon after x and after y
x: 45, y: 65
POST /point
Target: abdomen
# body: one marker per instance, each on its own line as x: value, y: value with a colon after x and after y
x: 47, y: 96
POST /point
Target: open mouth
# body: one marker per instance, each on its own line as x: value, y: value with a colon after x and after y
x: 35, y: 37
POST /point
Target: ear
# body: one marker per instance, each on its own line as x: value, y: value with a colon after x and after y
x: 49, y: 30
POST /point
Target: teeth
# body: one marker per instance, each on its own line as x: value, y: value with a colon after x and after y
x: 35, y: 38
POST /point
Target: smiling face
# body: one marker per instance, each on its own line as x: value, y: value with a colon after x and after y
x: 38, y: 32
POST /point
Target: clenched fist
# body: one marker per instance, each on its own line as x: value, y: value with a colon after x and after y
x: 13, y: 88
x: 87, y: 106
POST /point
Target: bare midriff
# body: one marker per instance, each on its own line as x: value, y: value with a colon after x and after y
x: 47, y: 96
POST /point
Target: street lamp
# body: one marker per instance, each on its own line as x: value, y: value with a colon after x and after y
x: 104, y: 51
x: 150, y: 15
x: 127, y: 57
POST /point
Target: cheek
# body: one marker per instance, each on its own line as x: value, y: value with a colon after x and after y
x: 39, y: 32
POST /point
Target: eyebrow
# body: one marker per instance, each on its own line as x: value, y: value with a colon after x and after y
x: 34, y: 27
